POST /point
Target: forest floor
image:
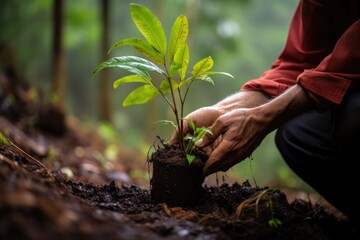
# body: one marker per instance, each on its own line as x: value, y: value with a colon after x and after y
x: 55, y: 184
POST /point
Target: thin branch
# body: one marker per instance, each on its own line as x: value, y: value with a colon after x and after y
x: 31, y: 158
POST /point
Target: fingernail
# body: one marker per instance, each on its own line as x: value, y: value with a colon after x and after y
x: 199, y: 143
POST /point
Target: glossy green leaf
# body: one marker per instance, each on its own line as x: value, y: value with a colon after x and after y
x: 149, y: 26
x: 190, y: 158
x: 202, y: 66
x: 178, y: 36
x: 223, y: 73
x: 165, y: 122
x: 133, y: 64
x: 191, y: 124
x: 141, y: 95
x: 165, y: 86
x: 142, y: 46
x: 200, y: 132
x: 130, y: 79
x: 181, y: 60
x: 205, y: 78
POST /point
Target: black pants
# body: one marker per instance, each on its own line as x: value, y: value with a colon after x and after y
x: 324, y: 150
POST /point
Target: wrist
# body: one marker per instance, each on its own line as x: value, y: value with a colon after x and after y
x: 242, y: 99
x: 293, y: 102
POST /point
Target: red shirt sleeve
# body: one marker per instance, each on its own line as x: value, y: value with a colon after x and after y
x: 338, y: 72
x: 317, y: 54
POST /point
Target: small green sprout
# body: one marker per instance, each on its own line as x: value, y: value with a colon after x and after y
x: 192, y: 138
x: 4, y: 140
x: 273, y: 221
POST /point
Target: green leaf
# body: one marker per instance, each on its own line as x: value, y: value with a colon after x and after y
x: 141, y: 95
x: 142, y: 46
x: 190, y: 158
x: 200, y: 132
x: 205, y: 78
x: 181, y: 61
x: 178, y: 36
x: 202, y: 66
x: 165, y: 122
x: 149, y: 26
x: 223, y: 73
x: 3, y: 139
x: 165, y: 86
x: 274, y: 222
x: 133, y: 64
x: 191, y: 124
x: 130, y: 79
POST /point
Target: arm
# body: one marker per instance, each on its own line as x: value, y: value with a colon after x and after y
x: 322, y: 54
x: 243, y: 129
x: 301, y: 51
x: 337, y: 73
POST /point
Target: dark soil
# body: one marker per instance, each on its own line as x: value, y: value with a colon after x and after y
x: 64, y: 190
x: 37, y: 204
x: 174, y: 181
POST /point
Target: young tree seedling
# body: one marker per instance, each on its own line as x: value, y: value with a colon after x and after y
x: 168, y: 58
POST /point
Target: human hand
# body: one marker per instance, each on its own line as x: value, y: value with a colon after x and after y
x: 235, y: 135
x: 202, y: 117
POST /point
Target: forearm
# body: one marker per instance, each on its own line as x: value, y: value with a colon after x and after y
x: 242, y: 99
x: 293, y: 102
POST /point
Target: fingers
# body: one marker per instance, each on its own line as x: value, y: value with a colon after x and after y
x: 218, y: 160
x: 203, y: 117
x: 223, y: 157
x: 209, y: 138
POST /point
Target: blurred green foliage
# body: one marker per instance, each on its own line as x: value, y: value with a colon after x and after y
x: 244, y: 36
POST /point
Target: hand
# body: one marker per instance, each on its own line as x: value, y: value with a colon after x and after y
x: 235, y: 135
x: 203, y: 117
x: 238, y: 132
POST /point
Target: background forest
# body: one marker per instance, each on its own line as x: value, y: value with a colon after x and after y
x: 244, y: 37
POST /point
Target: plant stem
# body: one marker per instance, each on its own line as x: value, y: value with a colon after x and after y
x: 175, y: 109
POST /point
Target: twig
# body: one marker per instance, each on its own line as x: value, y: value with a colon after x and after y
x: 256, y: 197
x: 28, y: 156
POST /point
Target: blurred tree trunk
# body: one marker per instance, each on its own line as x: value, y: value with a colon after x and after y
x: 58, y: 54
x: 105, y: 100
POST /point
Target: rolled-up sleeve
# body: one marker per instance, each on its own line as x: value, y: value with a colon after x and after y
x: 314, y: 56
x: 338, y: 72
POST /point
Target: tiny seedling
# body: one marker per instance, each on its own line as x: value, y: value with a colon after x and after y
x: 192, y: 138
x: 169, y: 59
x: 273, y: 221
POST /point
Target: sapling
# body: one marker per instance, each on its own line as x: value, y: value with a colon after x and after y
x: 170, y: 59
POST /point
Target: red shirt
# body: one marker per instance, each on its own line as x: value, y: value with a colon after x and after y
x: 322, y: 53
